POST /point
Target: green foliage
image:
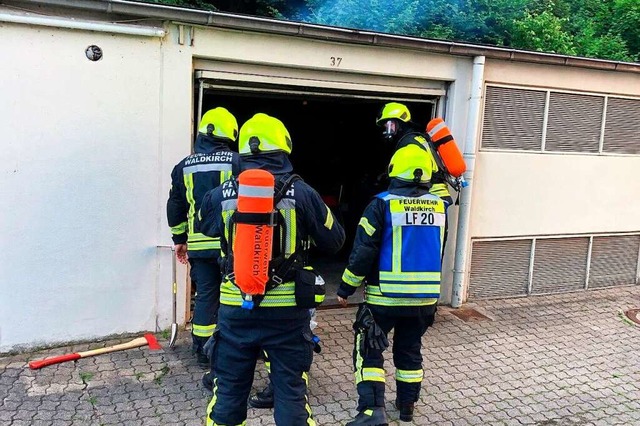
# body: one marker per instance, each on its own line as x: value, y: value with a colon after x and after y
x: 626, y: 23
x: 607, y: 29
x: 543, y: 32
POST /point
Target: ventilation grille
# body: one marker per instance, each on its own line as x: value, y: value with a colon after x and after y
x: 614, y: 261
x: 574, y: 123
x: 499, y: 269
x: 622, y: 131
x: 513, y: 118
x: 560, y: 265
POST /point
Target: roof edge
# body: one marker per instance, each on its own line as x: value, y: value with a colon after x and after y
x: 328, y: 33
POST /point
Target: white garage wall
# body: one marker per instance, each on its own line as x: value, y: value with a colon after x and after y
x: 78, y: 180
x: 549, y: 194
x: 519, y: 193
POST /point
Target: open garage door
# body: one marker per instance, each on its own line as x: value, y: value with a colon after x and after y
x: 337, y: 147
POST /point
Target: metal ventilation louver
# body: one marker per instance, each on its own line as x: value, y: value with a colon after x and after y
x: 560, y: 265
x: 574, y: 122
x: 499, y: 269
x: 622, y: 127
x: 614, y: 261
x: 513, y: 119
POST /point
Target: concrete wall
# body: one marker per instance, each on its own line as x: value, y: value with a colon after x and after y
x: 518, y: 193
x: 81, y: 149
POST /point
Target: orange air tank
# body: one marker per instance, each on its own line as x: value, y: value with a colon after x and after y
x: 253, y: 239
x: 446, y: 146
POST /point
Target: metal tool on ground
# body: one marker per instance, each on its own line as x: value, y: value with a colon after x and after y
x: 174, y: 289
x: 148, y: 339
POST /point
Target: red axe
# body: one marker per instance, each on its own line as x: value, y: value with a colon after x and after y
x: 148, y: 339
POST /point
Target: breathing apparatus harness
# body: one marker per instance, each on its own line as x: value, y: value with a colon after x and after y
x: 281, y: 269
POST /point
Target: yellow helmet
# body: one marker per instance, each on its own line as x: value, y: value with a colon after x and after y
x: 263, y: 133
x: 412, y: 164
x: 219, y: 122
x: 393, y: 110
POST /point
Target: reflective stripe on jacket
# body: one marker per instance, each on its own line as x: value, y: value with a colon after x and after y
x: 397, y: 255
x: 306, y: 218
x: 190, y: 181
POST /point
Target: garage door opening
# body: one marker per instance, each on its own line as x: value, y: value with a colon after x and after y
x: 337, y: 149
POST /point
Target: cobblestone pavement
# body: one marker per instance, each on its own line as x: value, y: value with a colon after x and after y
x: 547, y: 360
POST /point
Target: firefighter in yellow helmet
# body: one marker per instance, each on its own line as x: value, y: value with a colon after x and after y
x: 395, y: 119
x: 397, y: 255
x: 278, y: 323
x: 212, y: 163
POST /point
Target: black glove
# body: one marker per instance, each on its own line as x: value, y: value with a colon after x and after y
x: 374, y: 336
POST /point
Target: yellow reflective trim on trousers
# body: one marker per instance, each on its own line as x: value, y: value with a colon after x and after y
x: 212, y: 403
x: 409, y: 376
x: 188, y: 183
x: 368, y: 228
x: 267, y: 363
x: 359, y: 359
x: 202, y: 330
x: 372, y: 374
x: 211, y: 407
x: 179, y: 229
x: 329, y: 222
x: 307, y: 407
x: 351, y: 278
x: 319, y: 298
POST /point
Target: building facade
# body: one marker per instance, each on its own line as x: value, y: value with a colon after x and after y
x: 95, y: 113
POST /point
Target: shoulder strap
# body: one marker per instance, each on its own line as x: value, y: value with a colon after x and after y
x: 283, y: 268
x: 282, y: 186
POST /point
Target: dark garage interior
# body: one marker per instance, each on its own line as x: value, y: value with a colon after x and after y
x: 337, y: 149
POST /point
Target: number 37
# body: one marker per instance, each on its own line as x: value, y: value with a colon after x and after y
x: 335, y: 61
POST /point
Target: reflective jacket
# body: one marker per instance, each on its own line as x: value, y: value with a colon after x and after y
x: 398, y: 248
x: 211, y: 164
x: 308, y: 220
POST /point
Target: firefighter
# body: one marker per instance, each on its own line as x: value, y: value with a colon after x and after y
x: 395, y: 119
x: 212, y: 163
x: 397, y: 253
x: 280, y: 323
x: 264, y: 397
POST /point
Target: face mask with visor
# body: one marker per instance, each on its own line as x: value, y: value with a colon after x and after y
x: 390, y: 129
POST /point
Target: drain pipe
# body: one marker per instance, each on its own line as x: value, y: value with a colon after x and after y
x: 73, y: 24
x: 464, y: 212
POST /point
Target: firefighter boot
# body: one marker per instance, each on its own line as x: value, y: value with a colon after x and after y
x: 375, y: 416
x: 406, y: 410
x: 262, y: 399
x: 207, y: 381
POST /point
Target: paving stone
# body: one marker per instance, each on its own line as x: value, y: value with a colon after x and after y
x: 560, y: 360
